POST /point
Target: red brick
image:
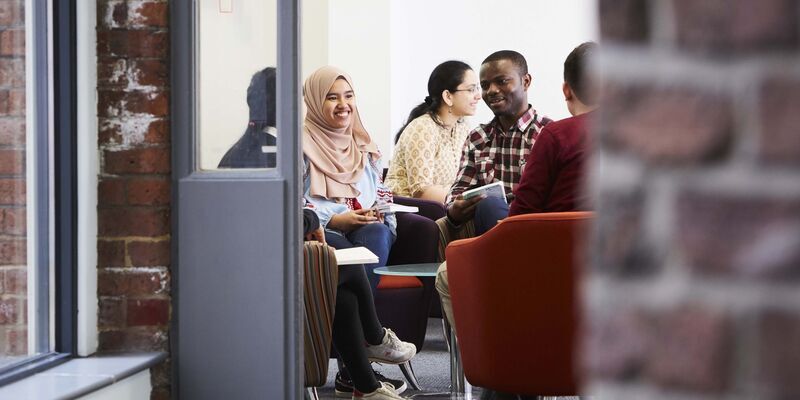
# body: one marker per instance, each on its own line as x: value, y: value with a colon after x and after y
x: 12, y: 72
x: 623, y: 248
x: 112, y: 131
x: 151, y: 14
x: 667, y: 124
x: 151, y: 72
x: 126, y: 221
x: 131, y: 282
x: 112, y: 72
x: 690, y: 351
x: 133, y: 43
x: 148, y: 312
x: 110, y: 253
x: 741, y: 236
x: 160, y: 393
x: 12, y: 13
x: 12, y: 191
x: 618, y: 343
x: 733, y: 26
x: 10, y: 311
x: 624, y: 20
x: 16, y: 281
x: 13, y: 252
x: 111, y: 312
x: 12, y: 162
x: 111, y: 192
x: 780, y: 135
x: 134, y: 339
x: 116, y: 103
x: 160, y: 374
x: 12, y: 42
x: 16, y: 342
x: 13, y: 221
x: 148, y: 192
x: 12, y: 131
x: 779, y: 353
x: 150, y: 160
x: 12, y: 102
x: 149, y: 254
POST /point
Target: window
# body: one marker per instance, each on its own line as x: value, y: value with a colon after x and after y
x: 236, y: 74
x: 37, y: 308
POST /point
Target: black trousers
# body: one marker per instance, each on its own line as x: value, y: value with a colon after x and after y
x: 356, y: 324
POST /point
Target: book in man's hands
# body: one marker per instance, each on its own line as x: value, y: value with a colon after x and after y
x: 355, y: 255
x: 493, y: 189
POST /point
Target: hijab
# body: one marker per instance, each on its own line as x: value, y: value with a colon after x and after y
x: 336, y: 156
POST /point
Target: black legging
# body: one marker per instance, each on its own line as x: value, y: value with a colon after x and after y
x: 355, y: 323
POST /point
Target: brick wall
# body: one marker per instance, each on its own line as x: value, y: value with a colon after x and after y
x: 693, y: 290
x: 13, y: 231
x: 134, y: 186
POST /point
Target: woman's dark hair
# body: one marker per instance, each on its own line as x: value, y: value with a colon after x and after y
x: 446, y: 76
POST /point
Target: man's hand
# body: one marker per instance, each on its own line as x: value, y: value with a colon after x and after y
x: 318, y: 235
x: 352, y: 220
x: 462, y: 210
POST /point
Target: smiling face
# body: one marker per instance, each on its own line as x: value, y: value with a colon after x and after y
x: 467, y: 94
x: 504, y: 88
x: 340, y: 102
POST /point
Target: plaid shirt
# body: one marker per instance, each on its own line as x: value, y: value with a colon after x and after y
x: 491, y: 155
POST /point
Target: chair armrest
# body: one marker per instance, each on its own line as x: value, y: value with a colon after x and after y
x: 417, y: 240
x: 428, y: 208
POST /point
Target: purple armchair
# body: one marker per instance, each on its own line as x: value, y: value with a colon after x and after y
x: 402, y: 302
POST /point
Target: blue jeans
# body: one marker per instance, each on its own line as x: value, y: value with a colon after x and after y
x: 376, y: 237
x: 488, y: 212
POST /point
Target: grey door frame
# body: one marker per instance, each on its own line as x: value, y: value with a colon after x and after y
x: 286, y: 178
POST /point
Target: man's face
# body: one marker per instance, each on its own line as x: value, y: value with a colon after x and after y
x: 505, y: 90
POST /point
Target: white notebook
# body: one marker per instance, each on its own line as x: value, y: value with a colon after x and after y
x: 355, y: 255
x: 496, y: 189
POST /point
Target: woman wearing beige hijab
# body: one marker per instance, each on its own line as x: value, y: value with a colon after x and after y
x: 342, y: 185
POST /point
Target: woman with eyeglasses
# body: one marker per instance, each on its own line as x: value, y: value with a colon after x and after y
x: 428, y: 147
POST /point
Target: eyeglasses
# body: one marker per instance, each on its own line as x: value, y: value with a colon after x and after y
x: 474, y: 89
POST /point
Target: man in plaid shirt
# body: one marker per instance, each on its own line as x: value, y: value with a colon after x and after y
x: 496, y: 151
x: 493, y: 152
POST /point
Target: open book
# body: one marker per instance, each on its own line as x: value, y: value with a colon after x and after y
x: 355, y: 255
x: 493, y: 189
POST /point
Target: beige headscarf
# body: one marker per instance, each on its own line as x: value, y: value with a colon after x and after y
x: 336, y: 156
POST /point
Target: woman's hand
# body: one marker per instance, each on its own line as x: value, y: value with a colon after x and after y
x: 353, y: 220
x: 318, y: 235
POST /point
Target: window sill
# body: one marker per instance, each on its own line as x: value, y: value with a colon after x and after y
x: 80, y: 376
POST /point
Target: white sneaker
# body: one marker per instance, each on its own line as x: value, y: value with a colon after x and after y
x: 386, y: 391
x: 391, y: 350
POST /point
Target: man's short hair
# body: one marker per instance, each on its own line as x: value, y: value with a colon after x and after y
x: 517, y: 59
x: 575, y: 70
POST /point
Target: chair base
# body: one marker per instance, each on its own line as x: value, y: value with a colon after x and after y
x: 408, y: 372
x: 311, y: 393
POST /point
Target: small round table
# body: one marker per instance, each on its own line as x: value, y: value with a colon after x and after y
x: 458, y: 385
x: 425, y: 269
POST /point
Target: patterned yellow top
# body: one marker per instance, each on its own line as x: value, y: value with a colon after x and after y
x: 427, y: 154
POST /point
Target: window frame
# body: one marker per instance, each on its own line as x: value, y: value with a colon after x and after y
x: 55, y: 114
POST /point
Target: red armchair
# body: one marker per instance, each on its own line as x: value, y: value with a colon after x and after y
x: 515, y: 303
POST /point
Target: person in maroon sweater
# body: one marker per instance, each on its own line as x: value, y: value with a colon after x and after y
x: 554, y: 175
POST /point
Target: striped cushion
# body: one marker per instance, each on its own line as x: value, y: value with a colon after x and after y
x: 320, y: 281
x: 447, y: 234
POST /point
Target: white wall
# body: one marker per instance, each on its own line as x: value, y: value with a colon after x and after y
x: 233, y: 46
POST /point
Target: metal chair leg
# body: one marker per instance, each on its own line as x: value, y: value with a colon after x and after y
x: 311, y: 393
x: 446, y: 332
x: 408, y: 372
